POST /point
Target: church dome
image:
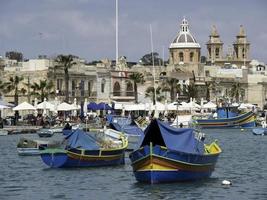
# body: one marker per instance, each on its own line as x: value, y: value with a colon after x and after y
x: 184, y: 39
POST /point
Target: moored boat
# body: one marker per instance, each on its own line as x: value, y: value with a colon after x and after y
x: 3, y: 132
x: 28, y: 147
x: 85, y: 150
x: 259, y: 131
x: 168, y: 154
x: 225, y: 118
x: 128, y: 127
x: 45, y: 133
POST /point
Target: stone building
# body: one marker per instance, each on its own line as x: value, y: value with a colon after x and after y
x: 237, y: 55
x: 184, y: 51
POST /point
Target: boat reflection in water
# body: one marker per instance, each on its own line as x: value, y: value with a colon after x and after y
x: 168, y: 154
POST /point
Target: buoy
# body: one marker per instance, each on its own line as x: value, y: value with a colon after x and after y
x: 242, y: 129
x: 226, y: 182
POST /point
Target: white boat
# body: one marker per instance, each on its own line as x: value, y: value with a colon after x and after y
x: 3, y: 132
x: 45, y: 133
x: 28, y: 147
x: 132, y: 138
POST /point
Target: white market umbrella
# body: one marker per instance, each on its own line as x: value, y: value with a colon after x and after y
x: 75, y: 107
x: 85, y: 107
x: 210, y: 105
x: 3, y: 107
x: 24, y: 106
x: 64, y: 107
x: 45, y: 105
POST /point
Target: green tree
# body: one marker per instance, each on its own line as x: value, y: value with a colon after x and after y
x: 13, y: 85
x: 148, y: 59
x: 190, y: 90
x: 172, y: 85
x: 137, y: 78
x: 236, y: 91
x: 42, y: 89
x: 65, y: 62
x: 150, y: 94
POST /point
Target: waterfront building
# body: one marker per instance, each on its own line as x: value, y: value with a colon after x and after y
x: 184, y: 51
x: 238, y: 55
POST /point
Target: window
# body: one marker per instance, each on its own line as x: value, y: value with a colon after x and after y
x: 89, y: 88
x: 73, y: 87
x: 116, y: 89
x: 103, y: 83
x: 81, y: 87
x: 217, y: 52
x: 59, y: 84
x: 191, y: 56
x: 210, y: 53
x: 243, y: 53
x: 129, y: 90
x: 207, y: 73
x: 181, y: 57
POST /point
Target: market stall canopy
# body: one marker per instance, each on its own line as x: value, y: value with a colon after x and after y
x: 210, y: 105
x: 65, y: 107
x: 24, y: 106
x: 46, y: 105
x: 104, y: 106
x: 3, y: 106
x: 92, y: 106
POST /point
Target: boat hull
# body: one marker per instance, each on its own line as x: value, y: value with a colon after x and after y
x: 28, y: 151
x: 159, y: 165
x: 72, y: 158
x: 246, y: 120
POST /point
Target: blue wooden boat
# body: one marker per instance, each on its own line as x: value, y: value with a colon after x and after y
x: 84, y: 150
x: 259, y: 131
x: 168, y: 154
x: 128, y: 127
x: 228, y: 117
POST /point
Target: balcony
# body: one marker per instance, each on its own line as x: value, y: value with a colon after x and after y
x: 122, y: 96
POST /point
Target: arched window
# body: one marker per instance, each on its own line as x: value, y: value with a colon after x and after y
x: 191, y: 56
x: 217, y: 52
x: 129, y: 89
x: 103, y: 83
x: 181, y: 57
x: 243, y: 52
x: 117, y: 89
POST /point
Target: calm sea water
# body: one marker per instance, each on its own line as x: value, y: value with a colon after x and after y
x: 243, y: 161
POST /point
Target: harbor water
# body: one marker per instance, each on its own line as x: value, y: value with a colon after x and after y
x: 243, y: 162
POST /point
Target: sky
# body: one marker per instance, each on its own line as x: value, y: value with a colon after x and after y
x: 86, y: 28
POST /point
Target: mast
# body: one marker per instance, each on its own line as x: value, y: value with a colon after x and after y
x: 154, y: 74
x: 117, y: 34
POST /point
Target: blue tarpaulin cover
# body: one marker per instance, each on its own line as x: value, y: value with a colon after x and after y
x: 178, y: 139
x: 222, y: 112
x: 82, y: 140
x: 92, y: 106
x: 129, y: 129
x: 103, y: 106
x: 125, y: 125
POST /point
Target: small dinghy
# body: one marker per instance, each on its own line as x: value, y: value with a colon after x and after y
x: 259, y: 131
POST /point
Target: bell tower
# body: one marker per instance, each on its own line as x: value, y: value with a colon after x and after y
x: 214, y: 46
x: 241, y: 46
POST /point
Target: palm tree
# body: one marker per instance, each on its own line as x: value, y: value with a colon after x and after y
x: 137, y: 78
x: 172, y: 85
x: 150, y: 93
x: 190, y: 90
x: 66, y: 62
x: 43, y: 89
x: 13, y: 86
x: 236, y: 91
